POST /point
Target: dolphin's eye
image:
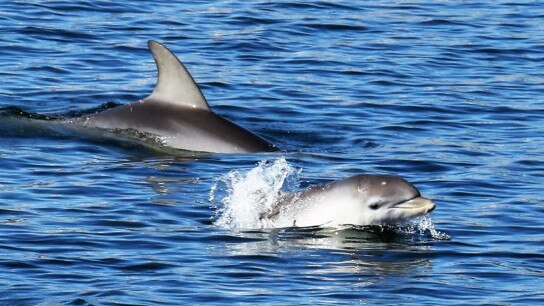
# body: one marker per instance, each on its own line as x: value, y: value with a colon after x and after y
x: 374, y: 206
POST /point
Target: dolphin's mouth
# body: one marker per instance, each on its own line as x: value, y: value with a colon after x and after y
x: 418, y: 205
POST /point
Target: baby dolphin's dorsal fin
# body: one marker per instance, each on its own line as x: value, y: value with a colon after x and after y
x: 174, y: 85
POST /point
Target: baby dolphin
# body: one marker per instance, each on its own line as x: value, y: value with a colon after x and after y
x: 358, y: 200
x: 178, y: 114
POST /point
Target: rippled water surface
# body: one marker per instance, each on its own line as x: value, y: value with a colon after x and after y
x: 448, y: 95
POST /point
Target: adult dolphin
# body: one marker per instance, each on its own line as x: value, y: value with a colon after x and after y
x: 358, y: 200
x: 178, y: 114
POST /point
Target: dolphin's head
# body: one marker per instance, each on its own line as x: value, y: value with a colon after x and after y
x: 358, y: 200
x: 389, y: 199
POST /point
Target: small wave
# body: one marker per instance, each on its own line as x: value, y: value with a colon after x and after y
x: 16, y: 112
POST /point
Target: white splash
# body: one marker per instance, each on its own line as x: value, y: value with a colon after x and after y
x: 425, y: 224
x: 244, y: 196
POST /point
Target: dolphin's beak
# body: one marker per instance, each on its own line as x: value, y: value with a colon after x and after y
x: 419, y: 205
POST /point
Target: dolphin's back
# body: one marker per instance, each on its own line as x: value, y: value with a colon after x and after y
x: 177, y: 113
x: 181, y: 127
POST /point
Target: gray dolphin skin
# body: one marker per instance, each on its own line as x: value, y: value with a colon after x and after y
x: 178, y: 114
x: 358, y: 200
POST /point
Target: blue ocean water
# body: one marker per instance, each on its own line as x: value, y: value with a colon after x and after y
x: 446, y: 94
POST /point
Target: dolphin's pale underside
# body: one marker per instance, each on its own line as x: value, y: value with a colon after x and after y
x: 178, y: 114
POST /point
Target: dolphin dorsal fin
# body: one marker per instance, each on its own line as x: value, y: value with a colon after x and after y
x: 174, y: 85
